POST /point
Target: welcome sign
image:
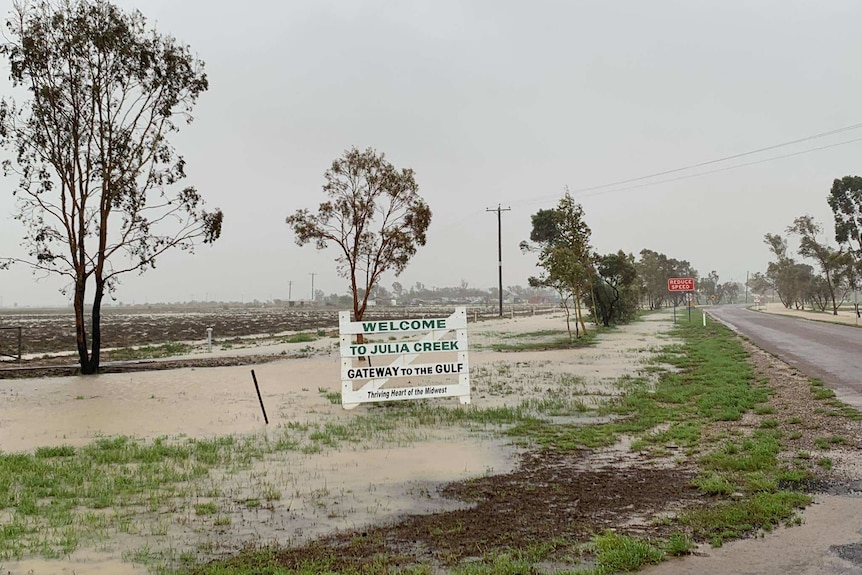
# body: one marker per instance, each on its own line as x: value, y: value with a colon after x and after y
x: 388, y: 370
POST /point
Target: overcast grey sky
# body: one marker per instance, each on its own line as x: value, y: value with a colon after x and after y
x: 499, y: 102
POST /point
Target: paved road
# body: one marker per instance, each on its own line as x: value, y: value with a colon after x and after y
x: 832, y: 352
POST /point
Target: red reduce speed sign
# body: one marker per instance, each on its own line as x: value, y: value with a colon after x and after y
x: 680, y: 284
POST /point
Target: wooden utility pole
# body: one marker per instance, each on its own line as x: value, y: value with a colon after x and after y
x: 499, y: 211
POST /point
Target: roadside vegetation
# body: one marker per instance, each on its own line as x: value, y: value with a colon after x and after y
x: 537, y: 341
x: 60, y: 498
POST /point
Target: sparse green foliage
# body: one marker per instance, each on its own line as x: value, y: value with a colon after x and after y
x: 655, y: 269
x: 374, y: 215
x: 561, y: 236
x: 616, y: 292
x: 845, y: 199
x: 96, y: 170
x: 834, y: 264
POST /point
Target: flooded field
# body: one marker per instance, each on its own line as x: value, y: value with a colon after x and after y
x: 53, y: 330
x: 223, y: 479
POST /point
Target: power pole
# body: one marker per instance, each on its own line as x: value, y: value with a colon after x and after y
x: 746, y: 287
x: 499, y: 211
x: 290, y: 291
x: 312, y: 274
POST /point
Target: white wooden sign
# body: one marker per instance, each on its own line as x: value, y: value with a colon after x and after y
x: 385, y: 370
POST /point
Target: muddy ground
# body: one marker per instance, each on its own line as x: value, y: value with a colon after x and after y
x: 368, y: 488
x: 551, y: 496
x: 542, y: 496
x: 574, y: 495
x: 49, y: 331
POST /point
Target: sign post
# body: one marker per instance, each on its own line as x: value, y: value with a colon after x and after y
x: 443, y: 347
x: 680, y: 285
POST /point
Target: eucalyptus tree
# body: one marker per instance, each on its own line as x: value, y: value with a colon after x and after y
x: 616, y: 293
x: 98, y: 179
x: 759, y: 284
x: 833, y: 262
x: 655, y: 269
x: 792, y: 280
x: 708, y: 286
x: 845, y: 199
x: 728, y: 291
x: 374, y: 215
x: 561, y: 237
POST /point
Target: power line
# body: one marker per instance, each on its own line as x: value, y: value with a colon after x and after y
x: 763, y: 161
x: 716, y: 161
x: 598, y: 192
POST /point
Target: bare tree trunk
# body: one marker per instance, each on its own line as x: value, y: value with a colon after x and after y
x: 578, y: 313
x: 831, y: 293
x: 96, y: 348
x: 565, y: 301
x: 80, y: 325
x: 593, y: 300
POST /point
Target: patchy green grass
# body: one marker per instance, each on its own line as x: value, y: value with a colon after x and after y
x: 820, y: 393
x: 733, y: 519
x: 678, y: 544
x: 546, y: 345
x: 334, y: 397
x: 147, y: 352
x: 617, y: 553
x: 829, y: 442
x: 713, y: 483
x: 304, y: 337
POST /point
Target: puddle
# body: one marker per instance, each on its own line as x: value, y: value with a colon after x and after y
x: 827, y: 542
x: 81, y: 561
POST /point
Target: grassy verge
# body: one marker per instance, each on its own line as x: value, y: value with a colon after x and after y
x: 714, y: 383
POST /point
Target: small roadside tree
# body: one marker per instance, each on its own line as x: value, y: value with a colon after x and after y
x: 561, y: 236
x: 616, y: 294
x: 727, y: 291
x: 708, y: 286
x: 759, y: 284
x: 833, y: 263
x: 782, y: 272
x: 374, y: 215
x: 845, y: 199
x: 97, y: 175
